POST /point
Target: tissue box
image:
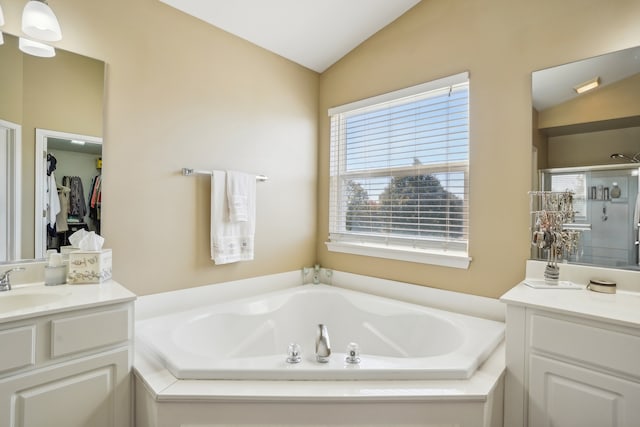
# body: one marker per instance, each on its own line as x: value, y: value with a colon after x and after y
x: 89, y: 266
x: 66, y: 250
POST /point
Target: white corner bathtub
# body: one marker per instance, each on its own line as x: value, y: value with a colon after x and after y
x: 247, y: 339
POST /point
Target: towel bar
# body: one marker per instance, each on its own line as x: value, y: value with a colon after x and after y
x: 189, y: 172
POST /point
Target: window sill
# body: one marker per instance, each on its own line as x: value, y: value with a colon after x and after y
x: 454, y: 259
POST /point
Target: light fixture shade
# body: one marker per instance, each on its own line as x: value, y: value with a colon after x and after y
x: 1, y: 17
x: 39, y: 22
x: 1, y: 39
x: 36, y: 48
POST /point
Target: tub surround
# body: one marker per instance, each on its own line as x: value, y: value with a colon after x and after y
x: 247, y: 339
x: 164, y: 401
x: 154, y: 305
x: 571, y: 354
x: 472, y: 305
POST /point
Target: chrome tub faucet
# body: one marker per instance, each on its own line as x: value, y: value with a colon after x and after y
x: 323, y: 346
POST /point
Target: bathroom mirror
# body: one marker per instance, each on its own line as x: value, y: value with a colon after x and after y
x: 64, y: 94
x: 588, y: 141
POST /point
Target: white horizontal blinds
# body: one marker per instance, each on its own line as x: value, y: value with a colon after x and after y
x: 399, y: 169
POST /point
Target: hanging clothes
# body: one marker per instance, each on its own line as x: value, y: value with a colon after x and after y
x: 77, y: 204
x: 51, y: 163
x: 53, y: 204
x: 61, y: 219
x: 95, y: 195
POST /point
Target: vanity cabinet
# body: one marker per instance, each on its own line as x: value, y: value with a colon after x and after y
x: 568, y: 367
x: 70, y: 368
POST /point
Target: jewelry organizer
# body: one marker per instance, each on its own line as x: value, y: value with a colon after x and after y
x: 550, y: 211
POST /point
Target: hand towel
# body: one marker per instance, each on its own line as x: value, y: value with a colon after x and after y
x: 239, y: 187
x: 231, y: 241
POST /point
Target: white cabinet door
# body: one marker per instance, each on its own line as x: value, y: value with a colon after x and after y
x: 88, y: 392
x: 563, y: 395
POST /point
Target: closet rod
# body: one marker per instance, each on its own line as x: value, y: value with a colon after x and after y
x: 189, y: 172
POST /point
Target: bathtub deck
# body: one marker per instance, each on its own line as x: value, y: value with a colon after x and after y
x: 163, y: 386
x: 164, y: 401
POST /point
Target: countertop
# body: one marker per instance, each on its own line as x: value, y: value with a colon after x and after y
x: 36, y: 299
x: 621, y: 308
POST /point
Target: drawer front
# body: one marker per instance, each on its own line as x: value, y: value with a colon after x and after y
x: 17, y: 348
x: 611, y: 350
x: 85, y: 332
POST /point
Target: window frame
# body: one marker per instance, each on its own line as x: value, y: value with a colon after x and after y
x: 442, y: 252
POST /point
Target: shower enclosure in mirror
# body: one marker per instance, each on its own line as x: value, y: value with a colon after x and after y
x: 606, y: 206
x: 64, y: 93
x: 588, y: 142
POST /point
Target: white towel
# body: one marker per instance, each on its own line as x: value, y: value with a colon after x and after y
x: 239, y: 187
x: 231, y: 241
x: 53, y: 201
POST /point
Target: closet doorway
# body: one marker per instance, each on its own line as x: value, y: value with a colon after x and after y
x: 68, y: 186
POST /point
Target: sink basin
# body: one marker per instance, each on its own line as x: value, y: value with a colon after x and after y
x: 19, y: 301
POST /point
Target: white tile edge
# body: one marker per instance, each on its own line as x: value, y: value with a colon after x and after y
x: 156, y: 304
x: 148, y: 306
x: 472, y: 305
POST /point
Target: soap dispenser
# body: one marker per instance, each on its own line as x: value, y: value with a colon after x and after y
x: 615, y: 191
x: 55, y: 272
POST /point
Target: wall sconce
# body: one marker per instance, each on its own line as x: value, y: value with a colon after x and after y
x: 588, y: 85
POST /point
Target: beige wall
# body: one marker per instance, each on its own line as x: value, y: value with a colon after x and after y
x: 500, y: 42
x: 181, y: 93
x: 539, y: 141
x: 592, y: 148
x: 11, y: 81
x: 586, y: 130
x: 609, y: 103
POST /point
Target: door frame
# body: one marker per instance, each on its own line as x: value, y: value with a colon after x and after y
x: 13, y: 190
x: 40, y: 223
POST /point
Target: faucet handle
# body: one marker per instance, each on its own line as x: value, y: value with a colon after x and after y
x: 5, y: 284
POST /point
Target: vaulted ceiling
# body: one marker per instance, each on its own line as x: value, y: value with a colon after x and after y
x: 312, y: 33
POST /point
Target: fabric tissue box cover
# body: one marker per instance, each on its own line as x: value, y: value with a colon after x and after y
x: 89, y: 266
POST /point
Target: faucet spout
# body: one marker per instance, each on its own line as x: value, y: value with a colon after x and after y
x: 323, y: 346
x: 5, y: 283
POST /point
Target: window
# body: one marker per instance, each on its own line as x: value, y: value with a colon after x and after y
x: 399, y: 171
x: 575, y: 183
